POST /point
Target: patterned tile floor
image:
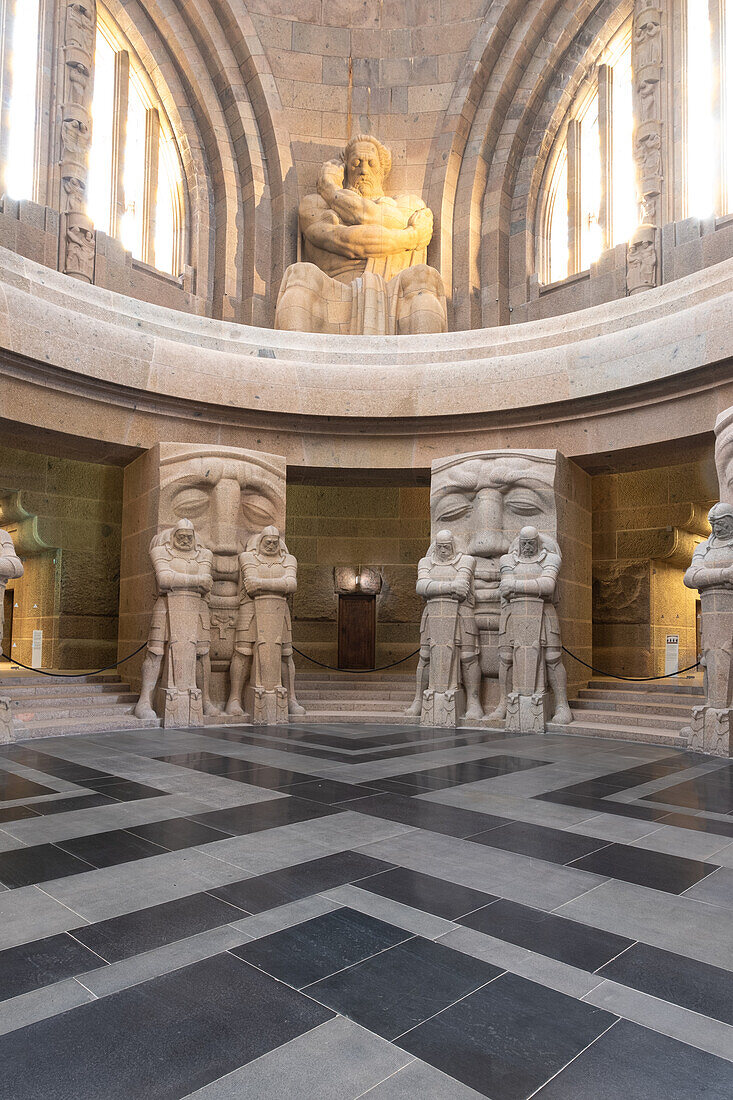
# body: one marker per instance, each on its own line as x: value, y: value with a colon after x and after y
x: 364, y: 911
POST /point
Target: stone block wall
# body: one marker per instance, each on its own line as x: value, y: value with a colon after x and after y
x: 65, y: 518
x: 646, y: 524
x: 382, y: 527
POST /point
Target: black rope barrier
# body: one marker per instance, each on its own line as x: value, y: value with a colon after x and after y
x: 359, y: 671
x: 631, y: 679
x: 74, y: 675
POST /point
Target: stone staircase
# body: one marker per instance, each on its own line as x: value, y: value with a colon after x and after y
x: 50, y: 706
x: 375, y: 697
x: 654, y: 711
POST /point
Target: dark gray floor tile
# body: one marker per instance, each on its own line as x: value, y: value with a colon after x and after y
x: 77, y: 802
x: 553, y: 845
x: 432, y: 816
x: 508, y: 1038
x: 656, y: 870
x: 683, y: 981
x: 177, y: 833
x: 125, y: 790
x: 43, y: 962
x: 433, y: 895
x: 398, y: 989
x: 13, y: 787
x: 328, y: 792
x: 41, y: 863
x: 630, y: 1061
x: 16, y: 813
x: 309, y: 951
x: 110, y: 848
x: 157, y: 925
x: 557, y: 937
x: 161, y: 1039
x: 241, y: 820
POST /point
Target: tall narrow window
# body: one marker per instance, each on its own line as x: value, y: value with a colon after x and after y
x: 557, y: 235
x: 727, y: 107
x: 591, y: 239
x: 625, y: 206
x: 701, y: 136
x: 135, y: 179
x: 22, y: 115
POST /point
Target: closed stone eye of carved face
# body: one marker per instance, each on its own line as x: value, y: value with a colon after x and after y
x: 270, y: 545
x: 723, y: 527
x: 363, y: 169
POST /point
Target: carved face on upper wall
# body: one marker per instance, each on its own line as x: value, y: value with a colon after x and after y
x: 487, y: 497
x: 366, y: 164
x: 228, y: 493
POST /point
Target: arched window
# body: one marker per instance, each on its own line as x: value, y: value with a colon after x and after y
x: 20, y: 139
x: 709, y: 108
x: 590, y: 198
x: 135, y: 181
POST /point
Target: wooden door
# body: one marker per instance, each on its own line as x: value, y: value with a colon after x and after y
x: 357, y: 631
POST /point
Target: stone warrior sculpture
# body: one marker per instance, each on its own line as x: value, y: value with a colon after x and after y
x: 263, y: 646
x: 530, y: 649
x: 11, y: 568
x: 364, y: 271
x: 711, y: 572
x: 448, y: 636
x: 180, y: 629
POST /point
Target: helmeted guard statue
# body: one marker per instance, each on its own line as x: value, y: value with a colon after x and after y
x: 530, y: 647
x: 263, y: 646
x: 711, y: 572
x: 179, y: 630
x: 11, y: 568
x: 449, y: 643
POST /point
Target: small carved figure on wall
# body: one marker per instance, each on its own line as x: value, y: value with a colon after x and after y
x: 648, y: 37
x: 80, y: 19
x: 180, y: 629
x: 79, y: 258
x: 263, y: 646
x: 530, y: 646
x: 641, y: 259
x: 648, y: 92
x: 449, y: 644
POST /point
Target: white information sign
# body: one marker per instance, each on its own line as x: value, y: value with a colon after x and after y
x: 37, y: 650
x: 672, y: 654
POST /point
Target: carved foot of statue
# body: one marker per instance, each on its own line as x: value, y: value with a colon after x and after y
x: 145, y: 711
x: 563, y: 716
x: 474, y: 711
x: 234, y: 707
x: 211, y: 710
x: 415, y: 709
x: 295, y: 709
x: 499, y: 714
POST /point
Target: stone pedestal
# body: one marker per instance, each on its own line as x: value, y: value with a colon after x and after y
x: 6, y: 721
x: 527, y: 713
x: 711, y: 731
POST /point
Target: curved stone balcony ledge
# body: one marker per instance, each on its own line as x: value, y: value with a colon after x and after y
x: 568, y: 382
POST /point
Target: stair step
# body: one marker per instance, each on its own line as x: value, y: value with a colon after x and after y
x: 626, y: 718
x: 63, y: 691
x: 83, y: 678
x: 693, y: 686
x: 652, y: 708
x: 347, y: 707
x: 338, y: 717
x: 76, y: 702
x: 67, y: 726
x: 620, y: 733
x: 48, y: 713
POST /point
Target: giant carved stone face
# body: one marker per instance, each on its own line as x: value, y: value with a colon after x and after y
x: 487, y: 497
x: 228, y: 493
x: 364, y: 169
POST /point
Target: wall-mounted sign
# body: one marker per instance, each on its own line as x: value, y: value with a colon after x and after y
x: 37, y: 649
x: 672, y: 654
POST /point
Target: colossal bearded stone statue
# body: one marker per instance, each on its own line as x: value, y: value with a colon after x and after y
x: 364, y: 270
x: 11, y: 567
x: 711, y: 573
x: 263, y: 646
x: 530, y: 647
x: 449, y: 644
x: 180, y: 629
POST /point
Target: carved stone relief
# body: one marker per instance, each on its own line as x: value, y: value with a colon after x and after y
x: 77, y: 231
x: 364, y: 270
x: 641, y: 259
x: 448, y: 673
x: 711, y: 573
x: 647, y: 60
x: 11, y: 568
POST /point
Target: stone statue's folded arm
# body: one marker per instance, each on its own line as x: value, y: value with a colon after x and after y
x: 10, y: 567
x: 322, y: 227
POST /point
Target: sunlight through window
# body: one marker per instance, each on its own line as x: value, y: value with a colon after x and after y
x: 701, y: 136
x: 728, y: 109
x: 99, y: 188
x: 591, y: 238
x: 558, y: 235
x: 22, y: 114
x: 625, y: 206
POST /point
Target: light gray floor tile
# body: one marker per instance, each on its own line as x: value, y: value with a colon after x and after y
x: 285, y: 916
x: 393, y: 912
x: 519, y: 809
x: 9, y: 843
x: 419, y: 1081
x: 349, y: 829
x: 716, y: 889
x: 98, y: 819
x: 336, y: 1061
x: 30, y: 914
x: 269, y: 850
x: 40, y: 1004
x: 686, y: 842
x: 624, y: 830
x: 679, y: 924
x: 519, y: 878
x: 150, y: 964
x: 679, y: 1023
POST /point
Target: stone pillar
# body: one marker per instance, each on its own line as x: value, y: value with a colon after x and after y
x: 77, y: 240
x: 229, y: 494
x: 647, y: 67
x: 486, y: 498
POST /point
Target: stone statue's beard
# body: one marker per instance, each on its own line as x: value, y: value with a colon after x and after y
x: 366, y: 187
